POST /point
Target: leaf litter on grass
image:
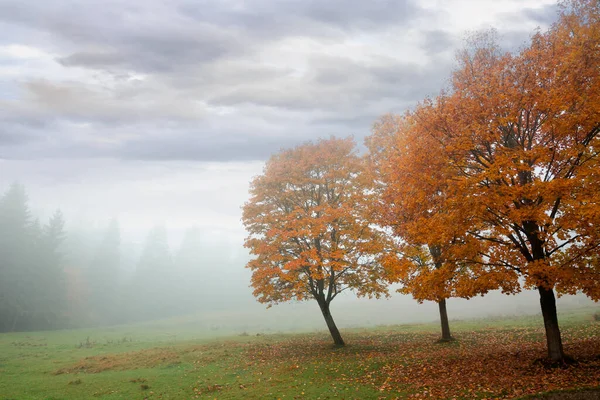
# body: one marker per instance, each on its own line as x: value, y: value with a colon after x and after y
x: 482, y: 364
x: 488, y: 364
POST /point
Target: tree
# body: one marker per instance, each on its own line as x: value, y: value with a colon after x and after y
x: 205, y: 267
x: 194, y: 278
x: 153, y: 281
x: 309, y: 231
x: 103, y: 274
x: 156, y: 256
x: 15, y: 247
x: 32, y: 294
x: 411, y: 179
x: 521, y: 136
x: 50, y: 273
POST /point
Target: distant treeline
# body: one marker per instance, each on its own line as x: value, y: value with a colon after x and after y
x: 52, y: 277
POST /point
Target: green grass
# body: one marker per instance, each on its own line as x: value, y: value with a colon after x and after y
x: 164, y: 361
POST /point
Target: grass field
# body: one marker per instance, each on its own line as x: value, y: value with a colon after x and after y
x: 492, y: 358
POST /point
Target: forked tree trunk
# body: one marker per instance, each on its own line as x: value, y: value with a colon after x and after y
x: 553, y: 339
x: 335, y: 333
x: 446, y: 336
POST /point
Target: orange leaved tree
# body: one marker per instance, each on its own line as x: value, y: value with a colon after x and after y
x: 403, y: 206
x: 309, y: 229
x: 522, y: 134
x: 411, y: 176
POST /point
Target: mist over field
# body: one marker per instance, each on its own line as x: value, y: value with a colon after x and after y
x: 129, y: 136
x: 145, y: 122
x: 308, y: 199
x: 191, y: 274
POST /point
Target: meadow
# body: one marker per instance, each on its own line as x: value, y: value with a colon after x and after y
x: 178, y: 359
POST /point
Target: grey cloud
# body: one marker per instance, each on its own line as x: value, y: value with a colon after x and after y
x: 144, y: 37
x: 355, y: 125
x: 209, y: 80
x: 224, y: 74
x: 410, y: 82
x: 542, y: 17
x: 12, y: 137
x: 341, y: 84
x: 291, y: 97
x: 438, y: 41
x: 358, y: 13
x: 93, y: 59
x: 125, y: 103
x: 151, y: 37
x: 186, y: 147
x: 164, y: 141
x: 20, y: 133
x: 545, y: 15
x: 160, y: 50
x: 339, y: 97
x: 308, y: 17
x: 58, y: 17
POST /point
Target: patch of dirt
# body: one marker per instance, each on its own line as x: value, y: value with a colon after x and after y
x: 148, y: 358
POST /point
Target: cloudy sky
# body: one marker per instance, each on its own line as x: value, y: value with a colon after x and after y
x: 161, y: 111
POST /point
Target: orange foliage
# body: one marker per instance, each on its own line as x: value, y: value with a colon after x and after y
x: 308, y: 225
x: 413, y: 179
x: 501, y: 174
x: 509, y: 158
x: 522, y: 136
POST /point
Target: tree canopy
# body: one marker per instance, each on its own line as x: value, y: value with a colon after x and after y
x: 504, y: 166
x: 310, y: 234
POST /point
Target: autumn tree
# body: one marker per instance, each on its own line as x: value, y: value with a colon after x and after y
x: 309, y: 231
x: 411, y: 178
x: 520, y: 134
x: 419, y: 264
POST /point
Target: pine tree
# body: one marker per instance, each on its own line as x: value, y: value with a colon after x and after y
x: 15, y: 241
x: 103, y: 275
x: 49, y: 275
x: 152, y: 281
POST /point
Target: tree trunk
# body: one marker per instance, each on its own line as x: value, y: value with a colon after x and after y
x: 446, y: 336
x: 553, y: 339
x: 335, y: 333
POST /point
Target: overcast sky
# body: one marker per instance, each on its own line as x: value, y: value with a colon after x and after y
x: 161, y: 111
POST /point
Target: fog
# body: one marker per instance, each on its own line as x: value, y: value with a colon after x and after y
x: 125, y: 257
x: 143, y: 123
